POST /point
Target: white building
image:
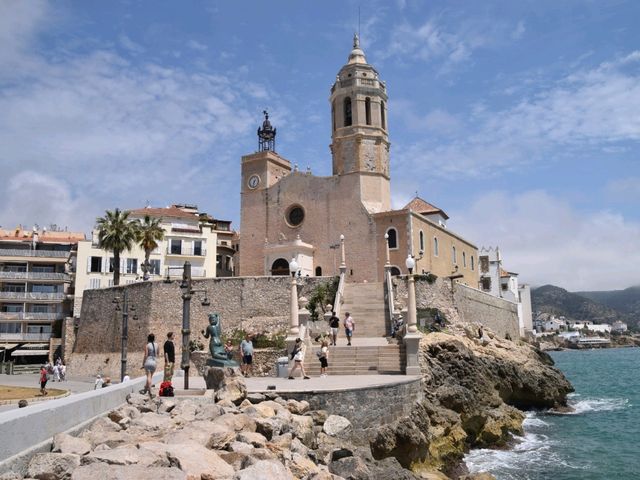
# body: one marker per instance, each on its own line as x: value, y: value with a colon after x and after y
x: 503, y: 284
x: 618, y: 327
x: 553, y: 325
x: 187, y: 237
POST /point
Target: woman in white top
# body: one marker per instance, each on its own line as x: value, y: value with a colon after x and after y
x: 297, y: 355
x: 149, y: 363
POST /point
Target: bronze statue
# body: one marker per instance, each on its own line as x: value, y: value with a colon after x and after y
x: 219, y: 357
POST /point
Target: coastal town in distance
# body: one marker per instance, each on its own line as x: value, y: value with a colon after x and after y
x: 319, y: 241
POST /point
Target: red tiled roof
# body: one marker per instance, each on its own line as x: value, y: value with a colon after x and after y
x: 163, y: 212
x: 43, y: 237
x: 424, y: 208
x: 504, y: 273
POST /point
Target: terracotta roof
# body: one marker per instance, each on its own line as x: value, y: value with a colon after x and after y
x: 424, y: 208
x: 504, y: 273
x: 163, y: 212
x: 43, y: 237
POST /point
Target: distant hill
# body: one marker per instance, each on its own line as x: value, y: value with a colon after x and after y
x: 574, y: 306
x: 626, y: 301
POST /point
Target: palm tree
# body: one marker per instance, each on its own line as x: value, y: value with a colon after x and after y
x: 116, y: 233
x: 149, y: 234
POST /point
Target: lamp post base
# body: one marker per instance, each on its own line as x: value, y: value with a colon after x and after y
x: 412, y: 348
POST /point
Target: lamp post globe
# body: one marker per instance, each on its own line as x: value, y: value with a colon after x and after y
x: 410, y: 263
x: 293, y: 267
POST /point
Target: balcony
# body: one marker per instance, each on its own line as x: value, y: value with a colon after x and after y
x: 14, y: 252
x: 26, y: 296
x: 187, y: 251
x: 64, y: 277
x: 25, y: 337
x: 31, y: 316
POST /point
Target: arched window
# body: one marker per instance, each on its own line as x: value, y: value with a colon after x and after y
x: 454, y: 256
x: 393, y: 238
x: 421, y: 241
x: 473, y: 266
x: 395, y: 271
x: 367, y: 110
x: 333, y: 115
x: 280, y: 267
x: 318, y: 271
x: 464, y: 259
x: 347, y: 112
x: 383, y: 116
x: 436, y: 250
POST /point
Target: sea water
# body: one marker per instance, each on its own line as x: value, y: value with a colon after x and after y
x: 600, y: 440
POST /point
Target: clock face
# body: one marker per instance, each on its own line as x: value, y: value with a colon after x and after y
x: 254, y: 181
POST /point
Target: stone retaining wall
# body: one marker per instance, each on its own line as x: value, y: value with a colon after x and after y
x: 463, y: 304
x: 253, y: 304
x: 366, y: 407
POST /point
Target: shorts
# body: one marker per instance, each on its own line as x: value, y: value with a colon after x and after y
x: 247, y: 359
x: 168, y: 371
x: 323, y: 362
x: 348, y: 332
x: 43, y: 384
x: 335, y: 330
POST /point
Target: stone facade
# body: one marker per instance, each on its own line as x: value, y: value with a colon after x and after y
x: 376, y: 405
x: 463, y: 304
x: 257, y: 304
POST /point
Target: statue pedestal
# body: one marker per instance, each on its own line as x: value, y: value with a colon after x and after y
x: 214, y: 362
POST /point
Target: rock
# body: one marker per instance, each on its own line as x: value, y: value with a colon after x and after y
x: 10, y: 476
x: 209, y: 411
x: 256, y: 397
x: 63, y: 443
x: 260, y: 410
x: 265, y: 470
x: 228, y: 383
x: 166, y: 405
x: 297, y: 407
x: 109, y: 439
x: 52, y: 466
x: 269, y: 427
x: 302, y: 427
x: 220, y: 437
x: 235, y: 459
x: 319, y: 416
x: 478, y: 476
x: 104, y: 425
x: 153, y: 422
x: 241, y: 447
x: 193, y: 459
x: 302, y: 466
x: 127, y: 455
x: 252, y: 438
x: 245, y: 403
x: 238, y: 422
x: 184, y: 412
x: 298, y: 447
x: 102, y: 471
x: 391, y: 468
x: 336, y: 425
x: 141, y: 402
x: 351, y: 468
x: 324, y: 475
x: 282, y: 442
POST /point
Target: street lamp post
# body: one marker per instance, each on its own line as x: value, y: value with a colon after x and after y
x: 411, y: 286
x: 387, y: 262
x: 125, y: 329
x: 343, y: 264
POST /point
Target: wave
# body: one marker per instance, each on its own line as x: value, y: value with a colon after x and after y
x: 589, y: 405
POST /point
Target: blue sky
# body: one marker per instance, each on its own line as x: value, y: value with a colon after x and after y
x: 520, y: 119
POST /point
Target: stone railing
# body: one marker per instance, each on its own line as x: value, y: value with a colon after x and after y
x: 31, y: 296
x: 188, y: 251
x: 15, y: 252
x: 24, y: 337
x: 35, y: 276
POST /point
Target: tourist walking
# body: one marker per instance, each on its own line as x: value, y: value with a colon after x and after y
x: 334, y: 324
x: 56, y: 373
x: 169, y: 350
x: 149, y: 362
x: 43, y: 380
x: 323, y: 356
x: 246, y: 352
x: 97, y: 385
x: 349, y: 327
x: 297, y: 355
x: 63, y: 372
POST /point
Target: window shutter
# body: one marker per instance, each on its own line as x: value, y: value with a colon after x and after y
x: 88, y: 264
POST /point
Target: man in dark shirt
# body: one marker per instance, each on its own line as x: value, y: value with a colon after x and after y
x: 334, y: 323
x: 169, y: 357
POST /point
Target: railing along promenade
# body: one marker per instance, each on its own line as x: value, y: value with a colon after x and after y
x: 16, y: 252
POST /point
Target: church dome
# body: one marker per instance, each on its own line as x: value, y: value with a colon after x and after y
x: 357, y: 54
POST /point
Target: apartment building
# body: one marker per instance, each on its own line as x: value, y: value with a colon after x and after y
x: 36, y: 290
x: 189, y: 235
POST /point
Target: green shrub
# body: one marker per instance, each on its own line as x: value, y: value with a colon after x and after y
x: 323, y: 294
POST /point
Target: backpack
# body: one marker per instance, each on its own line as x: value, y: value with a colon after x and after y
x: 166, y: 389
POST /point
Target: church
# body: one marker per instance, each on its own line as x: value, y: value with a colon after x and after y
x: 289, y: 214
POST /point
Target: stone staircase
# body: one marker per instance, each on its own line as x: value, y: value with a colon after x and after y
x: 358, y: 360
x: 371, y: 352
x: 365, y: 302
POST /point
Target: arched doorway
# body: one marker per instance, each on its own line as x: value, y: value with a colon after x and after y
x: 318, y: 271
x: 280, y: 267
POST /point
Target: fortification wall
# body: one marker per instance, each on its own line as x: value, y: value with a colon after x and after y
x: 253, y: 304
x: 462, y: 304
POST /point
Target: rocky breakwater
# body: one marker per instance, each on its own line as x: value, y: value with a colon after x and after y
x: 475, y: 394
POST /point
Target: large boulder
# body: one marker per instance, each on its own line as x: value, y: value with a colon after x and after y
x: 193, y: 459
x: 336, y: 425
x: 52, y: 466
x: 63, y: 443
x: 127, y: 455
x: 227, y: 382
x: 265, y: 470
x: 103, y: 471
x: 351, y: 468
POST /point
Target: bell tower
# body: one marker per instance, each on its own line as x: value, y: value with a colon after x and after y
x: 360, y: 142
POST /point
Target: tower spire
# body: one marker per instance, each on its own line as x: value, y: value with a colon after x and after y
x: 266, y: 135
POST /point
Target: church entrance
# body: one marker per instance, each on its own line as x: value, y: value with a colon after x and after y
x: 280, y: 267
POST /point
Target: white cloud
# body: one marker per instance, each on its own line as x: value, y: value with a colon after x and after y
x: 518, y: 32
x: 591, y: 109
x: 626, y: 189
x: 546, y: 240
x: 437, y: 120
x: 95, y: 126
x: 195, y: 45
